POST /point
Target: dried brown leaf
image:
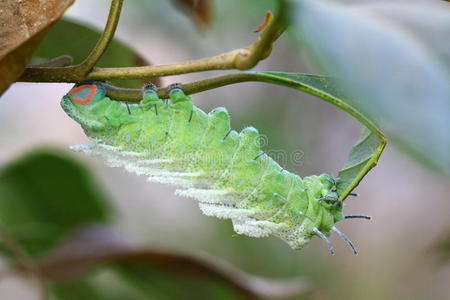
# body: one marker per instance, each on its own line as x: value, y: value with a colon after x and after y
x: 23, y: 24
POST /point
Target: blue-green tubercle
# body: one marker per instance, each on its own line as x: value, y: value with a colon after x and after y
x: 173, y: 142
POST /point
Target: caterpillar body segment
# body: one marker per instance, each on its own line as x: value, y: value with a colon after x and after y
x: 176, y: 143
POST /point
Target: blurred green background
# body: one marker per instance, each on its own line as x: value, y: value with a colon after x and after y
x: 409, y: 203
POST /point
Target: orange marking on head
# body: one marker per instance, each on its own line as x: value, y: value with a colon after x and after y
x: 88, y: 99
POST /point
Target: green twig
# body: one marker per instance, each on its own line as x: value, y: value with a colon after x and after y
x: 220, y: 62
x: 241, y: 59
x: 262, y: 48
x: 244, y: 58
x: 79, y: 72
x: 105, y: 39
x: 135, y: 95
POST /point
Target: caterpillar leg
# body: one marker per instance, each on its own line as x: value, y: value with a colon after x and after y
x: 150, y: 98
x: 358, y: 217
x: 176, y: 93
x: 332, y: 200
x: 345, y: 238
x: 327, y: 240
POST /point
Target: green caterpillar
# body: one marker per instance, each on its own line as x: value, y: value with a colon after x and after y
x: 176, y: 143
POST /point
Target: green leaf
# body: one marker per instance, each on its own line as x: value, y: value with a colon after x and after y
x: 365, y: 153
x: 70, y: 38
x: 394, y: 59
x: 362, y: 158
x: 75, y: 290
x: 44, y: 196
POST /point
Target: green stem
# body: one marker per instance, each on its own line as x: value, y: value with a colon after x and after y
x: 105, y: 39
x: 241, y: 59
x: 262, y: 48
x: 244, y: 58
x: 79, y: 72
x: 135, y: 95
x: 220, y: 62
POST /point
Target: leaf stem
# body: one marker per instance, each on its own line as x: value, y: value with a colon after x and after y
x: 135, y: 95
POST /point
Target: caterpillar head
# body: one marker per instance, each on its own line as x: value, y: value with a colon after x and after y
x: 86, y: 103
x: 330, y: 199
